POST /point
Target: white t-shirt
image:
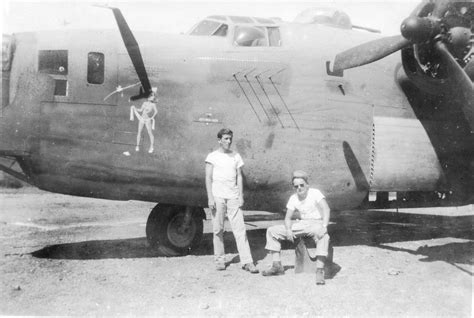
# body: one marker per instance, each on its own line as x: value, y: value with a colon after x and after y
x: 224, y: 173
x: 308, y: 208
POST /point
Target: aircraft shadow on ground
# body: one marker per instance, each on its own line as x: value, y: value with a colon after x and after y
x: 347, y: 229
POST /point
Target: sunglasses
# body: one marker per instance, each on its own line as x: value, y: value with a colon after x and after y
x: 297, y: 186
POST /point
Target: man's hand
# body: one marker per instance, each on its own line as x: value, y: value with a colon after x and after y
x: 241, y: 202
x: 212, y: 204
x: 321, y: 231
x: 290, y: 236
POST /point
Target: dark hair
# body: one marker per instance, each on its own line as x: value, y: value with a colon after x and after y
x: 224, y: 131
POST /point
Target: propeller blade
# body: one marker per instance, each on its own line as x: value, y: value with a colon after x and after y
x: 469, y: 69
x: 133, y: 51
x: 141, y: 94
x: 369, y: 52
x: 460, y: 82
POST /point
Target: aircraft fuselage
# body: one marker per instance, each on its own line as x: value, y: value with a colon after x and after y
x: 352, y: 134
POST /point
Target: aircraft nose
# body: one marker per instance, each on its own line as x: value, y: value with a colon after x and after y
x: 20, y: 120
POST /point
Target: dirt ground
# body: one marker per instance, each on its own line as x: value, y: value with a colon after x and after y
x: 63, y: 255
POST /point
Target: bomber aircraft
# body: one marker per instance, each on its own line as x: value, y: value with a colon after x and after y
x: 312, y: 94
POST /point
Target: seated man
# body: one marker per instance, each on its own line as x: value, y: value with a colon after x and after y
x: 314, y: 212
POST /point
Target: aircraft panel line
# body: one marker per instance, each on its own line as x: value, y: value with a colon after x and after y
x: 253, y: 90
x: 273, y: 107
x: 284, y: 103
x: 245, y: 94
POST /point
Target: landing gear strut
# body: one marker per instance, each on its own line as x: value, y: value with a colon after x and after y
x: 175, y: 230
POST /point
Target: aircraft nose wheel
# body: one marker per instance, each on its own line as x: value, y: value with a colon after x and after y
x: 174, y: 230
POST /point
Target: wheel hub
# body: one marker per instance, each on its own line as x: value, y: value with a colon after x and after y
x: 181, y: 233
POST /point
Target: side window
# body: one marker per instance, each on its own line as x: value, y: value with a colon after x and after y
x: 95, y: 68
x: 250, y: 36
x: 60, y: 89
x: 274, y: 36
x: 53, y: 62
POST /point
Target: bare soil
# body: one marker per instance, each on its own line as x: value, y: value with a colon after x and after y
x: 63, y: 255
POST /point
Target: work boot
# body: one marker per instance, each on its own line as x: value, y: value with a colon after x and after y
x: 250, y: 267
x: 320, y: 276
x: 220, y: 266
x: 276, y: 269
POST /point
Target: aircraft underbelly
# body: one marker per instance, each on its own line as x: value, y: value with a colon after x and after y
x: 405, y: 159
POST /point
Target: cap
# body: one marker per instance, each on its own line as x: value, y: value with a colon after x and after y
x: 300, y: 174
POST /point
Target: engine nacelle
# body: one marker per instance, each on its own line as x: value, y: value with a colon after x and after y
x: 422, y: 63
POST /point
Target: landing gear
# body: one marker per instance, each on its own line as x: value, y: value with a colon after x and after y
x: 174, y: 230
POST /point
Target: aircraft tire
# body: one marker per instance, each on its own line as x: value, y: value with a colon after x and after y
x: 165, y: 231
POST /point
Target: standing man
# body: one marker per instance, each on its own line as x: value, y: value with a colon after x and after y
x: 314, y: 213
x: 225, y: 195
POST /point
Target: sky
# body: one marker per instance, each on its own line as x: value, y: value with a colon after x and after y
x: 180, y: 15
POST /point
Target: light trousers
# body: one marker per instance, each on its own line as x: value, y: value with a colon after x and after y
x: 236, y: 220
x: 303, y: 228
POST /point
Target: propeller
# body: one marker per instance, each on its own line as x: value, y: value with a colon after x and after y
x: 441, y: 33
x: 134, y: 52
x: 369, y: 52
x: 420, y: 27
x: 459, y: 81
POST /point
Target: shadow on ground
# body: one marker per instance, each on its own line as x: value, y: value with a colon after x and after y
x: 349, y: 228
x: 452, y: 253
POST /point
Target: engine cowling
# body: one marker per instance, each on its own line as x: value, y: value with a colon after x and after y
x: 452, y: 22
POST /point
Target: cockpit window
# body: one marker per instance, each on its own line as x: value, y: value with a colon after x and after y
x: 217, y: 17
x: 243, y: 31
x: 249, y: 36
x: 264, y: 21
x: 208, y: 27
x: 222, y: 30
x: 237, y: 19
x: 257, y: 36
